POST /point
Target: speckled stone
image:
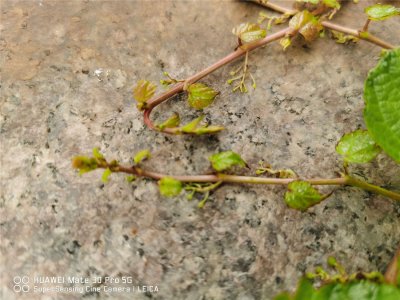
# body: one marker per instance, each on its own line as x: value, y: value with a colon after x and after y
x: 68, y: 69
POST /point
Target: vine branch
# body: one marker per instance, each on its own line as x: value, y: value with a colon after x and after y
x: 240, y: 51
x: 330, y: 25
x: 345, y: 180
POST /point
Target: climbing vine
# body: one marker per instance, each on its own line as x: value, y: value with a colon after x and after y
x: 310, y: 20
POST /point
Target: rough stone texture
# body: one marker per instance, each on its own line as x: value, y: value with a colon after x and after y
x: 68, y: 69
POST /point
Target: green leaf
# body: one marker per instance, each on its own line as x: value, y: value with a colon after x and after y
x: 380, y: 12
x: 352, y: 290
x: 301, y: 195
x: 97, y: 154
x: 107, y: 172
x: 143, y: 91
x: 285, y: 42
x: 382, y: 109
x: 225, y: 160
x: 208, y: 129
x: 141, y: 155
x: 84, y: 164
x: 300, y: 19
x: 306, y: 24
x: 200, y: 95
x: 332, y: 3
x: 170, y: 187
x: 309, y: 1
x: 194, y: 128
x: 358, y: 147
x: 171, y: 122
x: 130, y: 178
x: 248, y: 32
x: 342, y: 38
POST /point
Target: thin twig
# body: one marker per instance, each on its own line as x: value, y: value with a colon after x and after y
x: 330, y: 25
x: 177, y: 88
x: 346, y: 180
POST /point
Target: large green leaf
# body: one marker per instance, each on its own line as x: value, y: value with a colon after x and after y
x: 225, y: 160
x: 354, y: 290
x: 382, y: 98
x: 301, y: 195
x: 358, y: 147
x: 380, y: 12
x: 200, y: 95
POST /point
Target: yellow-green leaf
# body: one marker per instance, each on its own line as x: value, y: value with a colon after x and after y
x: 300, y: 19
x: 130, y: 178
x: 143, y: 91
x: 107, y: 172
x: 301, y: 195
x: 225, y: 160
x: 84, y: 164
x: 306, y: 24
x: 97, y: 154
x: 358, y: 147
x: 332, y: 3
x: 208, y: 129
x: 309, y: 1
x: 200, y: 95
x: 380, y: 12
x: 170, y: 187
x: 248, y: 32
x: 285, y: 42
x: 190, y: 127
x: 171, y: 122
x: 342, y: 38
x: 141, y: 155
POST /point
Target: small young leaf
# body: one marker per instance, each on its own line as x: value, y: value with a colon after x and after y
x: 191, y: 126
x: 107, y: 172
x: 309, y: 1
x: 97, y: 154
x: 208, y: 129
x: 143, y: 91
x: 200, y: 95
x: 225, y: 160
x: 300, y: 19
x: 84, y: 164
x: 342, y: 38
x: 130, y: 178
x: 141, y: 155
x: 171, y: 122
x: 357, y: 147
x: 311, y: 30
x: 285, y: 42
x: 248, y: 32
x: 382, y: 99
x: 332, y: 3
x: 380, y: 12
x: 306, y: 24
x: 301, y: 195
x: 170, y: 187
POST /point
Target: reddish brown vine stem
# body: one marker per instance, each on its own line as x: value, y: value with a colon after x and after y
x: 240, y: 51
x: 346, y: 180
x: 357, y: 33
x: 227, y: 59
